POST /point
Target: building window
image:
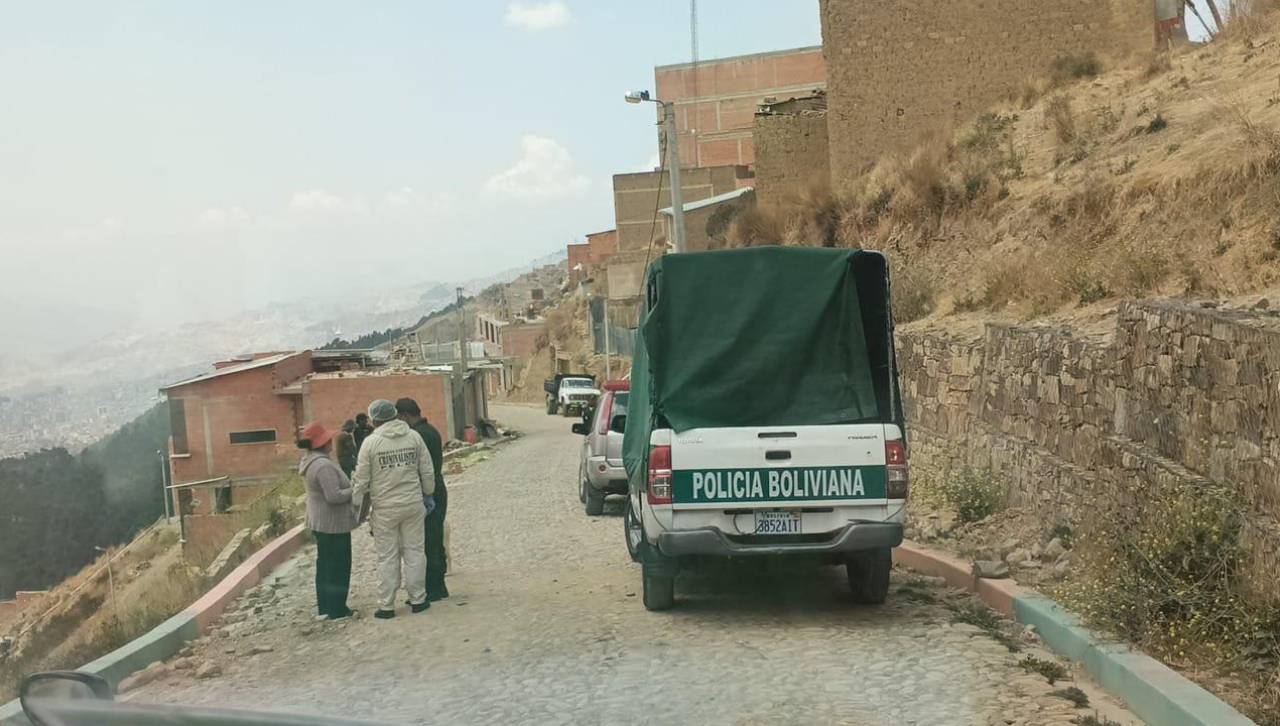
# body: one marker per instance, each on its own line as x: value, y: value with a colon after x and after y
x: 264, y: 436
x: 178, y: 425
x: 221, y: 500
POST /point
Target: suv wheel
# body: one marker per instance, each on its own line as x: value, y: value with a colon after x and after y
x: 659, y: 591
x: 594, y: 501
x: 582, y: 488
x: 633, y: 530
x: 869, y: 575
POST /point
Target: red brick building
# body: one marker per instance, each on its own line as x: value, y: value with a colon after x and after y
x: 238, y: 424
x: 520, y: 339
x: 715, y: 108
x: 595, y: 251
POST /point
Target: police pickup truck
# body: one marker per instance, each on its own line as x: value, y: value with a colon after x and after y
x: 765, y: 415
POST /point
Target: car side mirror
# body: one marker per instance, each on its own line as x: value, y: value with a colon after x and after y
x: 580, y: 429
x: 619, y: 424
x: 60, y: 686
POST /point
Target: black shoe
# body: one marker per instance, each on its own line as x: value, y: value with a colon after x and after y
x: 420, y: 606
x: 348, y: 612
x: 384, y: 614
x: 436, y: 596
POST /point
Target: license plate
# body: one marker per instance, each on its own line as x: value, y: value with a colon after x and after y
x: 778, y: 523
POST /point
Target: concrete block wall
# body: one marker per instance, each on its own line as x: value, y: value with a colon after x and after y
x: 1179, y: 393
x: 898, y: 69
x: 332, y: 400
x: 792, y: 155
x: 636, y: 198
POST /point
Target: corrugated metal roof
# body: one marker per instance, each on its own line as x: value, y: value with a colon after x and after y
x: 720, y: 199
x: 218, y: 373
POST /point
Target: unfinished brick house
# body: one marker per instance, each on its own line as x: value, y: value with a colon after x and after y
x: 233, y: 429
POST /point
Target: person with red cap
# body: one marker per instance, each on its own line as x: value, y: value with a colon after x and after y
x: 330, y: 517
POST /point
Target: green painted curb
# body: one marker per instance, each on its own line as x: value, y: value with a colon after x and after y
x: 1155, y: 692
x: 159, y: 643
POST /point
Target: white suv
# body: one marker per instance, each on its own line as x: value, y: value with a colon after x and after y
x: 601, y: 472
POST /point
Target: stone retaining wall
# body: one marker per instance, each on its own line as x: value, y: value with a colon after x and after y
x: 1180, y: 393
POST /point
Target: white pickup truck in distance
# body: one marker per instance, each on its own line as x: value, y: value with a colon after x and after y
x: 747, y: 453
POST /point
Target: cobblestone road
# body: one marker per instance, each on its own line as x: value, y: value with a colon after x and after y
x: 545, y: 625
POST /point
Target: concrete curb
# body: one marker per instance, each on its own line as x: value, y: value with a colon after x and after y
x: 1155, y: 692
x: 167, y: 638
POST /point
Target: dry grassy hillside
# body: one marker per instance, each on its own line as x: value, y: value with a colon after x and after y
x: 1160, y: 176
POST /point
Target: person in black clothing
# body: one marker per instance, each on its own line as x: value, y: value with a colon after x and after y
x: 344, y: 444
x: 362, y: 429
x: 411, y: 414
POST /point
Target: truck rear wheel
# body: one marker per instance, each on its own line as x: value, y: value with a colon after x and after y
x: 659, y: 591
x: 595, y: 501
x: 869, y: 575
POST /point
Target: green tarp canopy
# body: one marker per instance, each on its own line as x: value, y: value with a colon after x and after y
x: 764, y: 336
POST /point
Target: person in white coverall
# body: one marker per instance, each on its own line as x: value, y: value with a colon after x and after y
x: 394, y: 469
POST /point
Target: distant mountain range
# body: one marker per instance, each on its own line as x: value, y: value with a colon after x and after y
x: 126, y: 368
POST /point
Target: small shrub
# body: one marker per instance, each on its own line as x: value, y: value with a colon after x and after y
x: 974, y: 495
x: 1079, y: 281
x: 1258, y: 136
x: 1051, y: 670
x: 755, y: 227
x: 1172, y: 149
x: 1171, y: 575
x: 1003, y: 285
x: 1069, y: 68
x: 1158, y: 123
x: 913, y: 294
x: 1095, y: 720
x: 988, y: 131
x: 1032, y: 90
x: 1106, y: 120
x: 878, y: 206
x: 1140, y: 273
x: 1061, y: 118
x: 1074, y: 695
x: 1126, y: 166
x: 1063, y: 532
x: 967, y: 303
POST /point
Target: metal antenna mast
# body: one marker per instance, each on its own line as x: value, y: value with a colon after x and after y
x: 693, y: 52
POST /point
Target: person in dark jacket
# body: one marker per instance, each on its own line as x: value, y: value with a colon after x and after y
x: 362, y: 430
x: 330, y: 517
x: 411, y: 414
x: 345, y: 445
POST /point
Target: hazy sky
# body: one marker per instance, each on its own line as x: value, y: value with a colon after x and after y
x: 166, y: 161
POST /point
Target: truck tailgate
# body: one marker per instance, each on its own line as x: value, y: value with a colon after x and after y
x: 779, y: 467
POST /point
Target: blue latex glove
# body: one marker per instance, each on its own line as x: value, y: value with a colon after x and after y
x: 429, y: 502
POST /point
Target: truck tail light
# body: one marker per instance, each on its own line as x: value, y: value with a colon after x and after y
x: 660, y: 475
x: 899, y: 474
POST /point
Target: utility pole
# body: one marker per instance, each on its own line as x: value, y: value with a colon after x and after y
x: 673, y: 163
x: 111, y: 582
x: 608, y: 369
x: 460, y: 374
x: 164, y: 484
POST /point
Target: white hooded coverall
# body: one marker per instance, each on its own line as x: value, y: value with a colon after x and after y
x: 394, y: 470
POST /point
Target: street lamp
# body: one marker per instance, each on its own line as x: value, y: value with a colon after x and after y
x: 673, y: 163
